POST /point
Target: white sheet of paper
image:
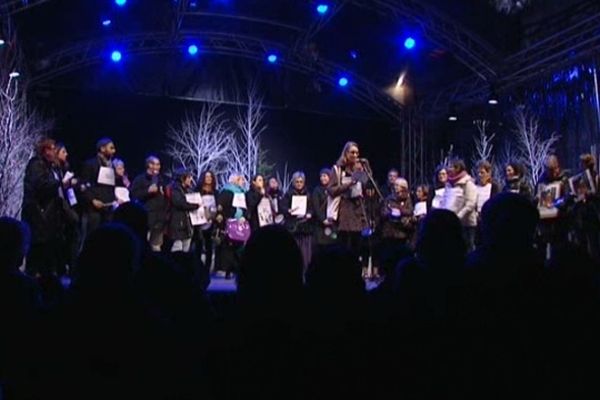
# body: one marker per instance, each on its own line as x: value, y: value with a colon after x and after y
x: 71, y: 197
x: 547, y: 195
x: 453, y: 198
x: 209, y: 201
x: 483, y: 195
x: 68, y: 176
x: 265, y: 212
x: 356, y: 190
x: 122, y: 194
x: 106, y: 176
x: 333, y: 208
x: 239, y: 200
x: 420, y: 208
x: 437, y: 200
x: 197, y: 216
x: 299, y: 205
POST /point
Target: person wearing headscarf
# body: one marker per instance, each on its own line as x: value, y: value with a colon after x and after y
x: 297, y: 209
x: 324, y: 227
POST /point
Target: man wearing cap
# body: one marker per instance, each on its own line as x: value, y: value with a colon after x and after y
x: 98, y: 185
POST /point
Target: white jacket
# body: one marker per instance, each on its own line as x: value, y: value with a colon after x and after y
x: 461, y: 199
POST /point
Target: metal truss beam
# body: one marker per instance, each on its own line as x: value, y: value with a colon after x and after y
x: 95, y: 51
x: 11, y: 7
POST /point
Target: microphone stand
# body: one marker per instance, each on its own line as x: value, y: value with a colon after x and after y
x: 369, y: 173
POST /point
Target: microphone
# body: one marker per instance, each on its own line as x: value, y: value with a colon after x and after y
x: 363, y: 160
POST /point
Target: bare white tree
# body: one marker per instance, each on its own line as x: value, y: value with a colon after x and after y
x: 202, y: 142
x: 245, y: 153
x: 533, y: 149
x: 20, y: 127
x: 285, y: 178
x: 483, y: 142
x: 506, y: 155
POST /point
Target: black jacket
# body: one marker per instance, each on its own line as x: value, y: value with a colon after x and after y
x: 180, y: 225
x: 393, y: 227
x: 155, y: 203
x: 42, y: 206
x: 253, y: 198
x: 300, y: 226
x: 92, y: 189
x: 319, y: 207
x: 520, y: 186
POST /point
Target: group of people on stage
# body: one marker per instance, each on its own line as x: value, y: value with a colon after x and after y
x: 347, y: 206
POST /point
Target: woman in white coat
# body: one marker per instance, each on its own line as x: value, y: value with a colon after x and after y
x: 460, y: 197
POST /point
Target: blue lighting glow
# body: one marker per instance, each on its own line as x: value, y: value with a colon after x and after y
x: 354, y: 54
x: 322, y: 8
x: 272, y: 58
x: 409, y: 43
x: 106, y: 22
x: 343, y: 81
x: 120, y: 3
x: 192, y: 49
x: 116, y: 56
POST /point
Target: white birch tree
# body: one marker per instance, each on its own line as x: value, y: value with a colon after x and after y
x: 484, y: 146
x: 20, y: 128
x: 202, y: 142
x: 533, y: 149
x: 246, y: 154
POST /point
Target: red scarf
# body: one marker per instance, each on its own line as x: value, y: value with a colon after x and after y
x: 457, y: 178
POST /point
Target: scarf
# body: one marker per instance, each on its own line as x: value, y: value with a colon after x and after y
x: 453, y: 180
x: 239, y: 213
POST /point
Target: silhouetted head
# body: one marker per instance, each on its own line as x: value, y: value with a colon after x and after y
x: 270, y: 279
x: 440, y: 240
x: 109, y: 259
x: 508, y: 224
x: 334, y: 277
x: 134, y: 216
x: 15, y: 238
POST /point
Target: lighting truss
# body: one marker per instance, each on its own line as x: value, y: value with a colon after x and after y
x: 10, y: 7
x: 95, y: 51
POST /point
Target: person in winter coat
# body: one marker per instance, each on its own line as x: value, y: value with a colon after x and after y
x: 460, y: 197
x: 260, y: 211
x: 98, y: 190
x: 553, y: 186
x: 516, y: 181
x: 388, y: 189
x: 149, y: 189
x: 231, y: 204
x: 72, y: 228
x: 324, y: 227
x: 180, y: 225
x: 397, y: 215
x: 43, y: 211
x: 348, y: 179
x: 487, y: 187
x: 275, y: 195
x: 298, y: 219
x: 207, y: 187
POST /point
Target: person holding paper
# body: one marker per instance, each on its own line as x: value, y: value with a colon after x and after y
x: 43, y: 211
x: 298, y: 215
x: 460, y: 197
x: 98, y: 186
x: 149, y: 189
x: 72, y: 233
x: 180, y: 226
x: 347, y: 180
x: 260, y: 212
x: 275, y: 195
x: 487, y: 187
x: 324, y: 234
x: 231, y: 205
x: 422, y: 204
x: 397, y: 217
x: 440, y: 179
x: 207, y: 187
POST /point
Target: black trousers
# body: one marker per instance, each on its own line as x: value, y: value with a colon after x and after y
x: 228, y: 256
x: 351, y: 241
x: 46, y: 258
x: 204, y: 245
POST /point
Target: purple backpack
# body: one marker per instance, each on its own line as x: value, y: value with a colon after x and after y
x: 237, y: 230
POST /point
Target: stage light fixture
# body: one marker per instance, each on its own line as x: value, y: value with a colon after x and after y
x: 493, y: 99
x: 343, y: 81
x: 452, y: 118
x: 192, y: 49
x: 106, y: 22
x: 353, y: 54
x: 121, y: 3
x: 272, y: 58
x: 322, y: 8
x: 14, y: 74
x: 2, y: 42
x: 116, y: 56
x: 410, y: 43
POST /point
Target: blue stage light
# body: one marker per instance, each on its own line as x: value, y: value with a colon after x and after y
x: 116, y: 56
x: 272, y: 58
x: 343, y: 81
x: 106, y: 22
x: 192, y: 49
x: 353, y: 54
x: 120, y: 3
x: 322, y: 8
x: 409, y: 43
